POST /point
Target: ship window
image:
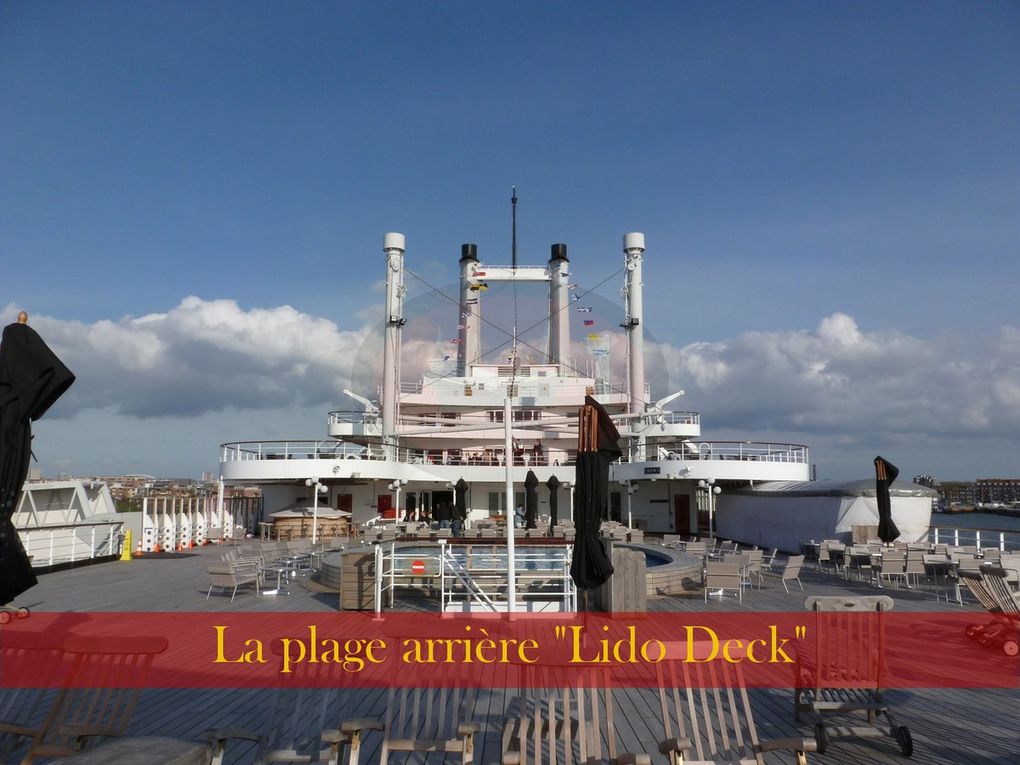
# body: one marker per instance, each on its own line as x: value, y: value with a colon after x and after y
x: 527, y: 415
x: 495, y: 415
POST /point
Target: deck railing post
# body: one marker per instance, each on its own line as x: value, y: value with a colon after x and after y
x: 442, y: 575
x: 51, y: 548
x: 956, y: 537
x: 393, y: 571
x: 378, y: 578
x: 92, y: 543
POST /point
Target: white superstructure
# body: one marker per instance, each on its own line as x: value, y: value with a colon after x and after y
x: 408, y: 444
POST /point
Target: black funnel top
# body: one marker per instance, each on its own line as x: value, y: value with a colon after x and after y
x: 469, y: 252
x: 558, y: 252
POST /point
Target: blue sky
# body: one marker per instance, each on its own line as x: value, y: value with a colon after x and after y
x: 789, y: 163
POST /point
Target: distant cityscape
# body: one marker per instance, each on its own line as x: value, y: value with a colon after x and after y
x: 984, y: 493
x: 130, y: 491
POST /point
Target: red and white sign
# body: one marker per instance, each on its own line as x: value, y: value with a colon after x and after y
x: 417, y: 567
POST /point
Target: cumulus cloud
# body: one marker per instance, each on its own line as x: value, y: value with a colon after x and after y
x: 835, y: 384
x: 200, y: 357
x: 840, y: 380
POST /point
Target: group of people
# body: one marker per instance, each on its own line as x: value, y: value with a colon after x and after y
x: 443, y: 516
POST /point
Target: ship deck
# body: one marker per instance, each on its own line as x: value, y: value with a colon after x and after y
x: 949, y: 726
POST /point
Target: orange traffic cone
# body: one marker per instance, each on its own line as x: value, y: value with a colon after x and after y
x: 138, y: 550
x: 157, y: 548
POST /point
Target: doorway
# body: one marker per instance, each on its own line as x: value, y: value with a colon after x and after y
x: 682, y: 514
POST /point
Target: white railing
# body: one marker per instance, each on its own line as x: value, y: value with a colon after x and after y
x: 71, y: 543
x: 717, y: 450
x: 1006, y: 541
x: 475, y: 577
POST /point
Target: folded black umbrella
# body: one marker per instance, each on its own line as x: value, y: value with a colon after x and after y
x: 598, y: 446
x: 885, y: 474
x: 553, y: 484
x: 530, y: 500
x: 460, y: 499
x: 32, y: 378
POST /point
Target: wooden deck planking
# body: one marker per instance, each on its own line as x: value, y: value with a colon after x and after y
x: 949, y: 726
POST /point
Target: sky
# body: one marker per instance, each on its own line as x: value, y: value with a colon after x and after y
x: 193, y: 198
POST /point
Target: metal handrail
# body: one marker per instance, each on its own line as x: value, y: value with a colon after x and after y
x: 78, y: 541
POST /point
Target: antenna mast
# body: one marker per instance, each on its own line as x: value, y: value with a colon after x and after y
x: 513, y: 246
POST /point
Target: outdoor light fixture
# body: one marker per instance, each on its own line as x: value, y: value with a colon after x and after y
x: 317, y: 489
x: 708, y: 484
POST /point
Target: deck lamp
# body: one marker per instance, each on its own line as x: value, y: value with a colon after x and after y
x: 713, y: 491
x: 317, y: 489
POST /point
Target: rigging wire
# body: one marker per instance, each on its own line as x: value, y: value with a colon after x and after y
x: 511, y: 336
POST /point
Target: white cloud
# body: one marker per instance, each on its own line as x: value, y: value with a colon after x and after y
x: 200, y: 357
x: 838, y: 379
x: 836, y: 388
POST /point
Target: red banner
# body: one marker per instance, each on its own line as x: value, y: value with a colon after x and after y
x: 357, y: 650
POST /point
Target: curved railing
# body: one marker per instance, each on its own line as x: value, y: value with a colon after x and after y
x: 718, y: 450
x: 242, y: 451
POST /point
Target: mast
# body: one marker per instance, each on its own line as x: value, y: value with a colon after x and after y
x: 513, y: 244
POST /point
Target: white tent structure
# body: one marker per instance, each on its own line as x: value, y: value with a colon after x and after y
x: 785, y: 513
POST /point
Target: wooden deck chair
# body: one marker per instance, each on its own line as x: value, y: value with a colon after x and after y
x: 571, y: 724
x: 304, y: 725
x: 994, y: 630
x: 845, y: 674
x: 724, y: 575
x: 1007, y: 602
x: 426, y: 720
x: 22, y: 710
x: 80, y: 716
x: 706, y: 715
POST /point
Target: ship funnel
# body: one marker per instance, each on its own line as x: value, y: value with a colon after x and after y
x: 469, y: 324
x: 393, y: 246
x: 559, y: 304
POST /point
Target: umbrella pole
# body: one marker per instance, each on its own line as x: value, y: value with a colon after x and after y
x: 511, y: 562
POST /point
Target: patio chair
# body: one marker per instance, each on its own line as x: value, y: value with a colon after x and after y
x: 893, y: 564
x: 706, y: 714
x: 232, y: 575
x: 845, y: 673
x: 81, y: 716
x: 573, y: 723
x: 791, y: 572
x: 769, y: 560
x: 724, y: 575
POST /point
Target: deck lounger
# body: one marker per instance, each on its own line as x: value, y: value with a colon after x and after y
x: 23, y: 709
x: 571, y: 724
x: 1000, y: 628
x: 80, y: 717
x: 706, y: 715
x: 304, y: 725
x: 844, y: 675
x: 425, y: 720
x: 995, y: 580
